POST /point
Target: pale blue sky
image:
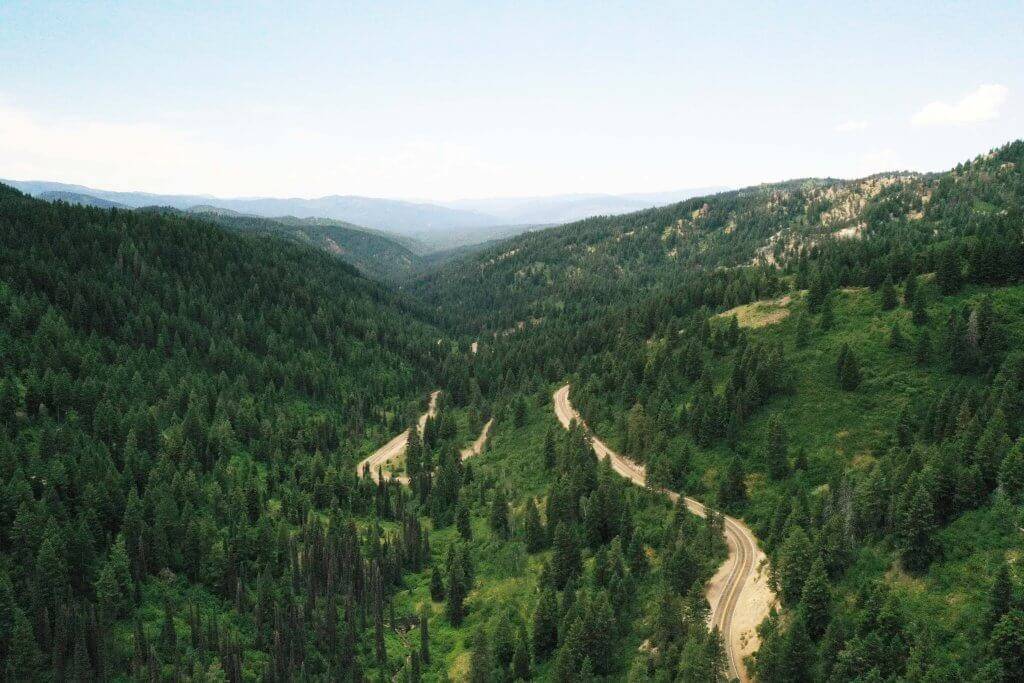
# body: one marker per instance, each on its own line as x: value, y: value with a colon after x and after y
x: 477, y: 99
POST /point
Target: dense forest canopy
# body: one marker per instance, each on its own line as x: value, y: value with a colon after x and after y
x: 183, y: 401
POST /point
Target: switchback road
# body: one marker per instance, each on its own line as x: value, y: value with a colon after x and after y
x: 738, y: 593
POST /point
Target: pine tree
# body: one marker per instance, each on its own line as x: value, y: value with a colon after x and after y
x: 425, y: 634
x: 1007, y: 644
x: 536, y: 537
x: 549, y: 450
x: 521, y: 657
x: 896, y: 339
x: 915, y: 526
x: 437, y: 591
x: 790, y: 571
x: 565, y: 560
x: 1011, y: 472
x: 114, y: 586
x: 775, y: 453
x: 498, y: 518
x: 681, y: 567
x: 816, y: 599
x: 732, y: 488
x: 24, y: 660
x: 848, y: 369
x: 545, y: 624
x: 457, y: 590
x: 949, y: 273
x: 1000, y: 596
x: 480, y: 662
x: 818, y: 292
x: 462, y: 521
x: 888, y: 295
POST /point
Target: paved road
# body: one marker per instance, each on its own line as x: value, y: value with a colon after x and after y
x: 740, y: 574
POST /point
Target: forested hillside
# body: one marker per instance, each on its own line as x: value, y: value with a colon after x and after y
x: 180, y: 411
x: 837, y: 362
x: 378, y: 255
x: 183, y: 401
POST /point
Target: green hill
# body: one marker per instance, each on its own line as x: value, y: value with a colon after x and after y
x: 376, y: 254
x: 836, y: 362
x: 181, y: 408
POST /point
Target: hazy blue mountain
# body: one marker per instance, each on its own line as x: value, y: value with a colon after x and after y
x: 558, y: 209
x: 431, y: 226
x: 80, y: 199
x: 406, y: 218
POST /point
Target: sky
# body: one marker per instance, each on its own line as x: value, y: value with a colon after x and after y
x: 446, y: 100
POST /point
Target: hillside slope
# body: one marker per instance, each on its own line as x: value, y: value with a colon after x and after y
x: 181, y: 408
x: 377, y: 255
x: 835, y: 362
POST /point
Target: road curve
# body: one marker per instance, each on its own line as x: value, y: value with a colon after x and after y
x: 396, y: 447
x: 738, y: 593
x: 378, y: 460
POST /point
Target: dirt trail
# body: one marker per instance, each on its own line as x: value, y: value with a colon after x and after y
x: 738, y: 593
x: 477, y: 447
x: 378, y: 461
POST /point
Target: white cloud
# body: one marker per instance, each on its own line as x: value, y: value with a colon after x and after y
x: 977, y: 106
x: 851, y: 126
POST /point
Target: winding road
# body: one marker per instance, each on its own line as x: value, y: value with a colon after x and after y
x: 738, y: 593
x: 379, y: 459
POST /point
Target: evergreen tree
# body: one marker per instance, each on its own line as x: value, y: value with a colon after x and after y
x: 521, y: 657
x: 775, y: 455
x: 896, y: 339
x: 816, y: 599
x: 732, y: 488
x: 545, y: 624
x: 24, y: 660
x: 681, y: 568
x: 481, y: 665
x: 1000, y: 596
x: 498, y: 518
x: 458, y: 587
x: 462, y: 521
x: 887, y: 294
x: 549, y: 450
x: 425, y: 634
x: 1007, y: 644
x: 114, y: 586
x: 437, y: 591
x: 915, y: 526
x: 565, y: 560
x: 848, y: 369
x: 536, y: 537
x: 1011, y: 472
x: 793, y: 564
x: 949, y: 274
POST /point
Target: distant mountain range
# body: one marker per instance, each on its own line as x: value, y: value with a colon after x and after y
x: 567, y: 208
x: 433, y: 225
